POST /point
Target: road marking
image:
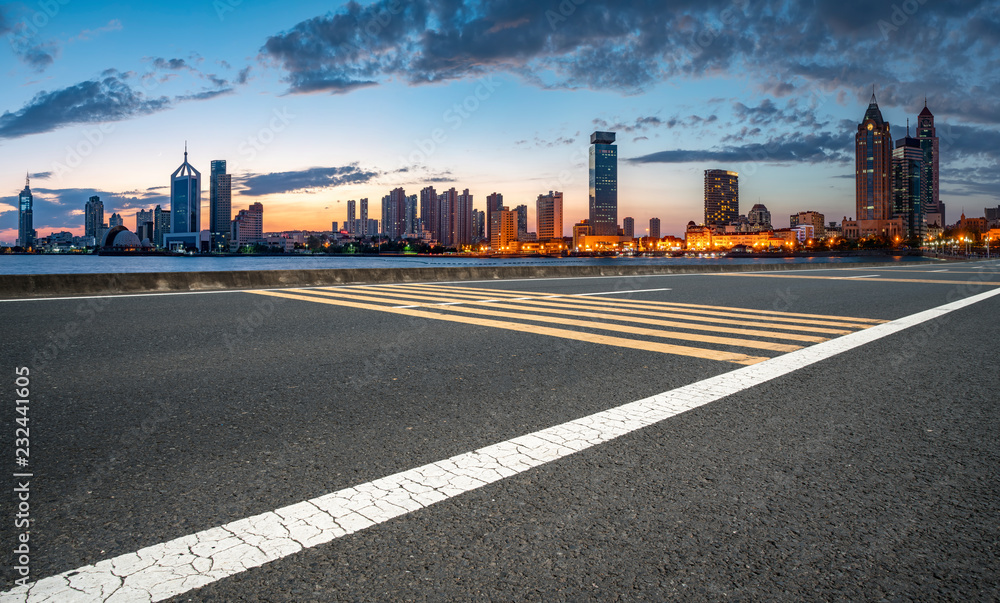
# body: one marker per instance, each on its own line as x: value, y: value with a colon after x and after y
x: 671, y: 304
x: 177, y: 566
x: 864, y: 276
x: 972, y: 282
x: 633, y: 344
x: 580, y: 308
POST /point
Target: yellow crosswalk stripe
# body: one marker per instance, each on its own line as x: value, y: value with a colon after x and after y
x: 633, y: 344
x: 629, y: 301
x: 639, y: 317
x: 747, y: 343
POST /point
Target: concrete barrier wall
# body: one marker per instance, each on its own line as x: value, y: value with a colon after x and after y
x: 22, y: 286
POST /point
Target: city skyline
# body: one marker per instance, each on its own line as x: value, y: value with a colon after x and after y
x: 253, y: 101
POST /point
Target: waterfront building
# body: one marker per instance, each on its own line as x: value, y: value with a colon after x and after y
x: 478, y: 225
x: 930, y: 198
x: 811, y: 218
x: 93, y: 216
x: 908, y: 186
x: 549, y: 215
x: 654, y: 228
x: 494, y: 203
x: 722, y: 197
x: 220, y: 204
x: 394, y: 214
x: 410, y: 221
x: 161, y: 225
x: 603, y: 184
x: 352, y: 218
x: 25, y: 216
x: 363, y: 216
x: 873, y: 179
x: 759, y: 218
x: 628, y: 226
x: 185, y: 208
x: 462, y: 219
x: 522, y: 220
x: 429, y: 219
x: 504, y: 230
x: 247, y: 228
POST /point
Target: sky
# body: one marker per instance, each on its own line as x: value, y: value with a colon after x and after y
x: 314, y: 103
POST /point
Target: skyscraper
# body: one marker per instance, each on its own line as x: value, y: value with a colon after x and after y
x: 25, y: 216
x: 521, y: 211
x: 161, y: 225
x: 654, y: 228
x: 220, y: 205
x: 116, y: 219
x: 478, y: 225
x: 628, y: 226
x: 930, y: 200
x: 352, y: 218
x: 185, y: 208
x: 462, y: 219
x: 549, y: 215
x: 247, y: 228
x: 759, y: 218
x: 394, y: 214
x: 722, y: 197
x: 141, y: 217
x: 411, y: 222
x: 494, y: 203
x: 364, y: 230
x: 504, y: 229
x: 93, y: 217
x: 873, y: 166
x: 908, y: 187
x: 429, y: 219
x: 445, y: 205
x: 603, y: 184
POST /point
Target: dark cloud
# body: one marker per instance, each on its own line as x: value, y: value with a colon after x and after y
x: 107, y: 99
x: 627, y: 46
x: 170, y: 64
x: 256, y: 185
x: 41, y: 175
x: 822, y: 147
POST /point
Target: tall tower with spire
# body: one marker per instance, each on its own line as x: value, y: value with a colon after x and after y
x: 25, y: 216
x: 927, y: 135
x: 873, y: 165
x: 185, y: 207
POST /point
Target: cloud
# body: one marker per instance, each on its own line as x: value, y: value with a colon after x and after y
x: 108, y: 99
x: 306, y: 180
x: 823, y: 147
x: 170, y: 64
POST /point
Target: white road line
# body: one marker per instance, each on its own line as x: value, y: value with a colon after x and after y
x: 863, y: 276
x: 619, y: 292
x: 168, y: 569
x: 941, y: 270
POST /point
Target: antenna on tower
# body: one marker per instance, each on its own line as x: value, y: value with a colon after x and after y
x: 27, y: 180
x: 907, y: 127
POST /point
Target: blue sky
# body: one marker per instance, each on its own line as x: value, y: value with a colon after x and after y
x: 315, y: 103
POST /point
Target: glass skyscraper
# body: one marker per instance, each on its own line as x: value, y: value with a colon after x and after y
x: 185, y: 208
x: 25, y: 216
x: 603, y: 184
x: 220, y: 205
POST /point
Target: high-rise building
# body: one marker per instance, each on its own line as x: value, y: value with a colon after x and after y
x: 549, y: 216
x: 759, y: 218
x: 116, y: 219
x: 722, y: 197
x: 478, y: 225
x: 429, y: 219
x: 930, y: 199
x: 185, y: 208
x: 603, y: 184
x: 504, y: 229
x: 873, y: 166
x: 908, y: 186
x: 462, y: 219
x: 394, y: 214
x: 93, y: 217
x: 161, y: 225
x: 352, y: 218
x: 220, y: 205
x: 521, y: 211
x: 247, y: 228
x: 654, y: 228
x: 25, y: 216
x: 809, y: 218
x: 411, y: 221
x: 363, y: 216
x: 628, y: 226
x: 333, y: 226
x: 494, y: 203
x: 141, y: 217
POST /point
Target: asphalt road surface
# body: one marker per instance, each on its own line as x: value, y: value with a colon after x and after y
x: 827, y: 434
